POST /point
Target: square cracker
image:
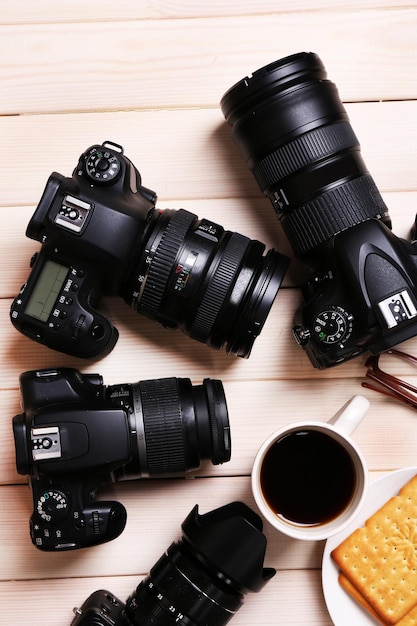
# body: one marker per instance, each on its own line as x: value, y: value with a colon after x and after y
x: 410, y: 619
x: 351, y: 589
x: 380, y: 559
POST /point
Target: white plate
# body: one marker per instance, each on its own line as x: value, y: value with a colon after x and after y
x: 343, y: 610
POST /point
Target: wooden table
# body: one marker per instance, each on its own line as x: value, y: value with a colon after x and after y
x: 149, y: 76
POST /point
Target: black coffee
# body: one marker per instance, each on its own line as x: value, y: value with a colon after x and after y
x: 307, y: 477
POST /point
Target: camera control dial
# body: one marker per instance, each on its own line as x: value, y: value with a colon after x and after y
x: 102, y: 165
x: 52, y: 506
x: 333, y: 325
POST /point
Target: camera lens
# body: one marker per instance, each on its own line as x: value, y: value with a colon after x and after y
x: 173, y: 424
x: 201, y: 579
x: 215, y: 285
x: 295, y: 136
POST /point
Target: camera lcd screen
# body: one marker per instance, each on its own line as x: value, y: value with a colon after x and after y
x: 46, y: 290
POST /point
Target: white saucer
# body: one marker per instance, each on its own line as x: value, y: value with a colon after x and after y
x: 343, y: 610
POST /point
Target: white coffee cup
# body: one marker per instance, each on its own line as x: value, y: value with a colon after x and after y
x: 310, y: 479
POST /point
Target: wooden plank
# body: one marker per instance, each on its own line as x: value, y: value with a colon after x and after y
x: 261, y: 608
x: 283, y: 590
x: 275, y: 354
x: 39, y: 12
x: 49, y: 67
x: 186, y: 155
x: 140, y: 547
x: 259, y: 407
x: 253, y: 217
x: 150, y: 75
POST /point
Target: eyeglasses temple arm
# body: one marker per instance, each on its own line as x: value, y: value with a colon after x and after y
x: 390, y: 391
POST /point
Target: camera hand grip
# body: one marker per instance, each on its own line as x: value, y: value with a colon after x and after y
x: 55, y: 527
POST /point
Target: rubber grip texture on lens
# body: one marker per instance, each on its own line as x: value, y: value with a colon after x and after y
x: 164, y: 259
x: 219, y: 286
x: 304, y: 150
x: 332, y: 212
x: 163, y: 426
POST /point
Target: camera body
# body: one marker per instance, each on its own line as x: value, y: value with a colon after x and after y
x: 101, y: 234
x: 294, y: 133
x: 76, y: 434
x: 101, y: 608
x: 69, y: 441
x: 90, y: 226
x: 363, y: 298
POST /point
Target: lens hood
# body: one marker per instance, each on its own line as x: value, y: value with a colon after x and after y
x: 270, y: 79
x: 231, y: 541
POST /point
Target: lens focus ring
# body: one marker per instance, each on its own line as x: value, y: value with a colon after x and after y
x: 219, y: 286
x: 163, y: 261
x: 316, y: 222
x: 304, y: 150
x: 163, y: 426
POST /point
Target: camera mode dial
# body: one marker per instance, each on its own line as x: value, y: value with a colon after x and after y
x: 102, y: 165
x: 52, y: 506
x: 333, y: 325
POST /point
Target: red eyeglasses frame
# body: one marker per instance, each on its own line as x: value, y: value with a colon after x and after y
x: 391, y: 385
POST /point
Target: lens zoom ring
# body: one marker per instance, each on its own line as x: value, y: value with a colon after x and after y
x: 163, y: 426
x: 332, y: 212
x: 163, y: 260
x: 219, y: 286
x: 304, y: 150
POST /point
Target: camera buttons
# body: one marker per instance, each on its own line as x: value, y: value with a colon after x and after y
x: 79, y: 522
x: 78, y: 325
x: 301, y: 335
x: 333, y: 325
x: 33, y: 259
x: 52, y: 506
x: 98, y: 331
x: 33, y: 332
x: 102, y: 166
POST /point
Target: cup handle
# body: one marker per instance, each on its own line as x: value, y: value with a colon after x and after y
x: 348, y: 418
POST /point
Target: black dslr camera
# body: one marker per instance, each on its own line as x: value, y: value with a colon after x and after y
x: 75, y: 433
x: 295, y: 136
x: 199, y: 581
x: 102, y: 234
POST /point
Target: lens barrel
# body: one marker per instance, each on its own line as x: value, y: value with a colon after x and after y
x: 295, y: 136
x: 201, y: 579
x: 174, y: 425
x: 215, y: 285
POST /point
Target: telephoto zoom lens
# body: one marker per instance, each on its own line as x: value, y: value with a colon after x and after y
x: 201, y: 579
x: 294, y: 133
